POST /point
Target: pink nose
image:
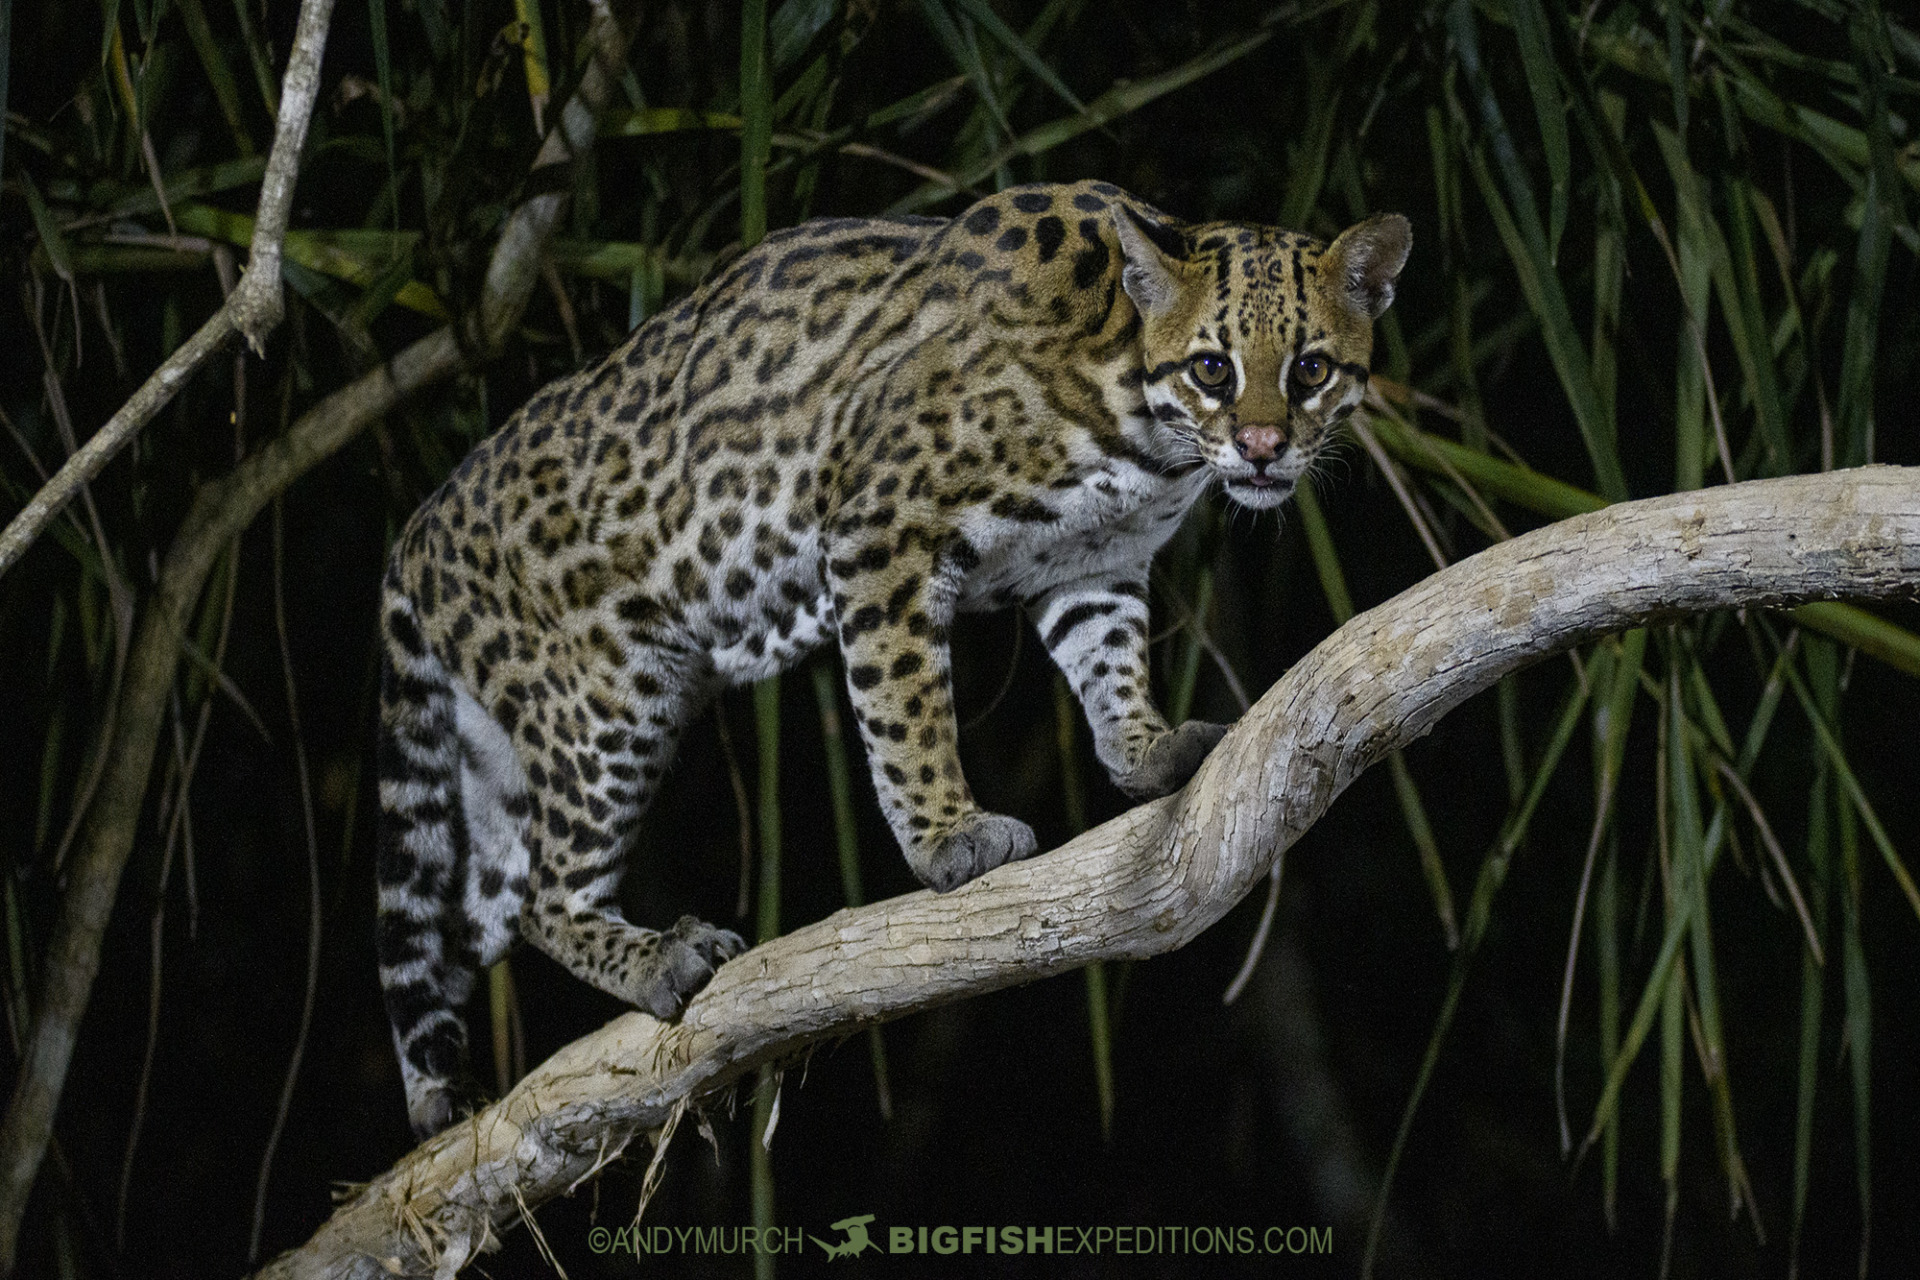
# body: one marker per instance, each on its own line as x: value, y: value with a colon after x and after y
x: 1259, y: 444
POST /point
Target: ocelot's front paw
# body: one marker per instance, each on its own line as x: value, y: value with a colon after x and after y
x: 980, y: 843
x: 1173, y: 758
x: 689, y: 953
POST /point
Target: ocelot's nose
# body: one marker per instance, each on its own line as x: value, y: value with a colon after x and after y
x: 1259, y: 443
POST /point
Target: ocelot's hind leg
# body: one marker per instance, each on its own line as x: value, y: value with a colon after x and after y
x: 601, y: 763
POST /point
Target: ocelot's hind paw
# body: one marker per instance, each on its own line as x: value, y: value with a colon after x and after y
x: 444, y: 1104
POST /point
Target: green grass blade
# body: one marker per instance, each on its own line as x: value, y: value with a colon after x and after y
x: 1740, y: 298
x: 1543, y: 81
x: 1121, y: 100
x: 1690, y: 878
x: 1307, y: 153
x: 756, y: 115
x: 533, y: 57
x: 1527, y: 247
x: 1859, y: 1023
x: 1850, y: 784
x: 383, y: 74
x: 766, y: 717
x: 1414, y: 813
x: 1652, y: 997
x: 1180, y: 696
x: 433, y: 21
x: 966, y: 55
x: 1672, y: 1090
x: 765, y: 1091
x: 1854, y: 411
x: 1609, y: 279
x: 646, y: 121
x: 52, y: 239
x: 1326, y: 561
x: 226, y: 90
x: 1695, y: 254
x: 1677, y: 63
x: 981, y: 13
x: 839, y: 783
x: 793, y: 27
x: 1066, y: 719
x: 1812, y: 1000
x: 1606, y: 927
x: 847, y: 841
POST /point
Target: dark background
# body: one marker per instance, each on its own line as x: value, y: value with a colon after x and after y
x: 1279, y: 1110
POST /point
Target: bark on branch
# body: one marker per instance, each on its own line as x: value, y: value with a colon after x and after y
x: 252, y: 310
x: 1154, y: 878
x: 221, y: 510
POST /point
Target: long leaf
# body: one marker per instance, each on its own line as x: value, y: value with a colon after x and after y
x: 756, y: 114
x: 1120, y: 100
x: 1527, y: 246
x: 1543, y: 81
x: 983, y: 14
x: 226, y: 90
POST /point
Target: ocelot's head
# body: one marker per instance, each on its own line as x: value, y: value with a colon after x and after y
x: 1257, y: 341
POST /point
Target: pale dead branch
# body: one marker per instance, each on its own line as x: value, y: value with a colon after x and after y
x: 1154, y: 878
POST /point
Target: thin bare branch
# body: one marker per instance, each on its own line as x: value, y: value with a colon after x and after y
x: 252, y: 310
x: 221, y: 509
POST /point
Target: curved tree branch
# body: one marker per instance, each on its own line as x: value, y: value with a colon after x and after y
x: 221, y: 510
x: 252, y: 309
x: 1154, y: 878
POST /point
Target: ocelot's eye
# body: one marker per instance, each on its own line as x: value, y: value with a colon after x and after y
x: 1311, y: 370
x: 1211, y: 370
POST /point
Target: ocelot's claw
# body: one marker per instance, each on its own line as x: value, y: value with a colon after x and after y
x: 980, y: 843
x: 689, y: 954
x: 1172, y: 760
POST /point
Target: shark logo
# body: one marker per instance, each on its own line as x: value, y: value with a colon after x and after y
x: 857, y: 1241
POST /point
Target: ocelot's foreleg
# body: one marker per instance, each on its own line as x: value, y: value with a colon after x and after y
x: 894, y: 598
x: 1096, y: 630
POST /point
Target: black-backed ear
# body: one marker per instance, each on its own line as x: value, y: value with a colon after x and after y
x: 1366, y: 258
x: 1150, y: 276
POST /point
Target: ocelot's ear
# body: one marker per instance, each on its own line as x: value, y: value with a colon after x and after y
x: 1150, y: 277
x: 1366, y: 258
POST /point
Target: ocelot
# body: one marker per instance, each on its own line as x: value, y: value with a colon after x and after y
x: 849, y: 434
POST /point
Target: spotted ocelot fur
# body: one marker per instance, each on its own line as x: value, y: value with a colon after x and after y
x: 849, y: 434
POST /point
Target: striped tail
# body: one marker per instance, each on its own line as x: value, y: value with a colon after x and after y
x: 427, y: 963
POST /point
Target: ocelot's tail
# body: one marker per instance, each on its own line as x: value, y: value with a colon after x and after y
x: 426, y: 961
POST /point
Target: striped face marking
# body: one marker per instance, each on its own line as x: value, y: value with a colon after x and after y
x: 1257, y: 342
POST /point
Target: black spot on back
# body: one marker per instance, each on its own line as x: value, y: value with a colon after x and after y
x: 1049, y: 233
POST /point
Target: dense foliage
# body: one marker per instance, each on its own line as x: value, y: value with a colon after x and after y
x: 1621, y: 948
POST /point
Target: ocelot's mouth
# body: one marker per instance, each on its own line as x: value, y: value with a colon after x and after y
x: 1259, y: 491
